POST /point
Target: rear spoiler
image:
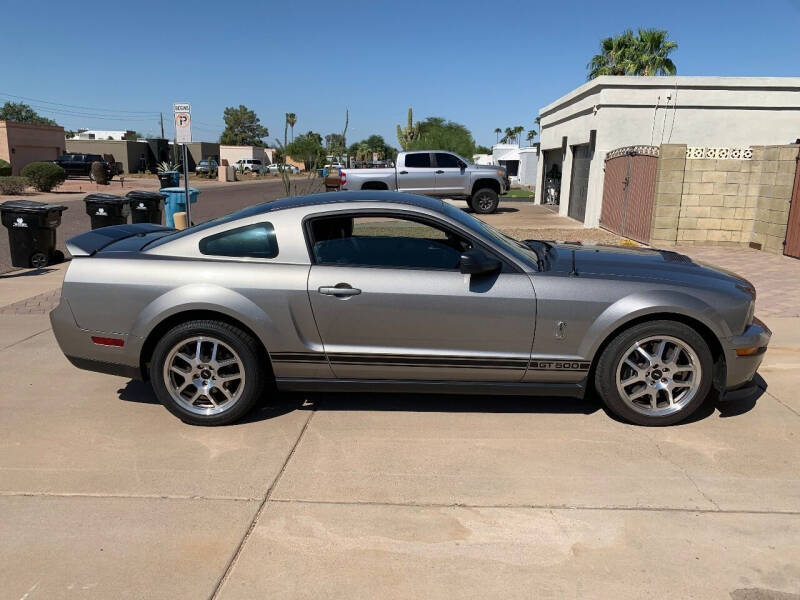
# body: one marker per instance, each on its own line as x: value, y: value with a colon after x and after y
x: 91, y: 242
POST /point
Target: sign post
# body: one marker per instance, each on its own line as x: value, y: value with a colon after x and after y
x: 183, y: 135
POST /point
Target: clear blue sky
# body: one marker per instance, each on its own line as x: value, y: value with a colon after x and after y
x: 483, y: 64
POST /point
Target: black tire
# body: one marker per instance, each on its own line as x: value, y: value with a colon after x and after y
x: 605, y: 379
x: 240, y: 342
x: 57, y: 258
x: 38, y: 260
x: 484, y: 201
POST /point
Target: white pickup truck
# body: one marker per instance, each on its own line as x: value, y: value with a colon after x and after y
x: 435, y: 173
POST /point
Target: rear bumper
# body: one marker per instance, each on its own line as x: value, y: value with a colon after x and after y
x: 742, y: 369
x: 81, y: 351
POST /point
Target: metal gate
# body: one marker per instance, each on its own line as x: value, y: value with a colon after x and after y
x: 579, y: 184
x: 791, y: 247
x: 629, y: 191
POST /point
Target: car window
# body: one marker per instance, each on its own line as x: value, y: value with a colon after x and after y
x: 381, y: 241
x: 256, y: 162
x: 418, y: 160
x: 254, y: 241
x: 447, y: 161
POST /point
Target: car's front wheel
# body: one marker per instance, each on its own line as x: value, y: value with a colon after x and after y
x: 207, y: 372
x: 655, y: 373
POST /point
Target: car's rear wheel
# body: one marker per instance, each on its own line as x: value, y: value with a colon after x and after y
x: 484, y: 201
x: 655, y: 373
x: 207, y: 372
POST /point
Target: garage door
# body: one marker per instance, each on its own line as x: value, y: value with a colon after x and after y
x: 28, y: 154
x: 579, y: 185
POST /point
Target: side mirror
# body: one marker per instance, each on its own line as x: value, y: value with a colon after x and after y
x: 463, y: 168
x: 475, y: 262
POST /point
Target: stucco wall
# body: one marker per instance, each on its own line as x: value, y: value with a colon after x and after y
x: 23, y: 143
x: 696, y: 111
x: 121, y: 151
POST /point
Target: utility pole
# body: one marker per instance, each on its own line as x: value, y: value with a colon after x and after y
x: 162, y: 125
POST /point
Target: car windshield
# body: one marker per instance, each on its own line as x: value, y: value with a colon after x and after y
x: 514, y: 246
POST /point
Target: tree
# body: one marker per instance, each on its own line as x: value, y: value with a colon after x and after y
x: 482, y: 150
x: 335, y: 143
x: 406, y: 135
x: 644, y: 53
x: 307, y: 148
x: 436, y: 133
x: 18, y: 112
x: 653, y: 50
x: 497, y: 132
x: 291, y: 119
x: 242, y: 127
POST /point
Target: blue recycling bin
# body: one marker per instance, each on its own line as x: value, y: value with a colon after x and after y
x: 176, y: 201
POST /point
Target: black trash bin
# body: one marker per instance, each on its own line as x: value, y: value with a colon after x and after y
x: 146, y: 207
x: 107, y: 209
x: 32, y: 232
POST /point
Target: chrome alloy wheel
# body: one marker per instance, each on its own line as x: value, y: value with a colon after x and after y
x: 658, y: 375
x: 204, y: 375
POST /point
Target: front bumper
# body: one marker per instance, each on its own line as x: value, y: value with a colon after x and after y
x: 741, y: 369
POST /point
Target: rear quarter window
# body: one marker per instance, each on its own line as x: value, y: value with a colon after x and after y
x: 251, y: 241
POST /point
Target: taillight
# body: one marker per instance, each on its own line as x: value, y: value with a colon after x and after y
x: 343, y: 176
x: 108, y: 341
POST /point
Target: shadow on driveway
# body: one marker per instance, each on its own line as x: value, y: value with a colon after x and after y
x: 276, y: 404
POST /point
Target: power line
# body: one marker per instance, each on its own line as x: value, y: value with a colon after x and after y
x: 141, y: 112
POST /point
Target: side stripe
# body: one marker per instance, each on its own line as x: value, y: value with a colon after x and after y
x: 432, y: 361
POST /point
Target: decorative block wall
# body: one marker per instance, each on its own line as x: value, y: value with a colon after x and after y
x: 723, y: 196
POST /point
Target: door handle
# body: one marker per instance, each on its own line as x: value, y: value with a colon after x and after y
x: 403, y: 173
x: 340, y: 290
x: 439, y: 172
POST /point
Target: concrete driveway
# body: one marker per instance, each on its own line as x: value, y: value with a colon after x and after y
x: 103, y: 494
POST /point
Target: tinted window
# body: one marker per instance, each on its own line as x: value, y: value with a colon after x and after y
x: 256, y: 162
x: 447, y: 161
x: 255, y: 241
x: 418, y: 160
x: 385, y: 242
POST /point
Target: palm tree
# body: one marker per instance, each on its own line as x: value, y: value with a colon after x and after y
x: 508, y: 135
x: 652, y: 53
x: 518, y: 133
x: 614, y: 57
x: 646, y: 53
x: 497, y: 132
x: 291, y: 119
x: 531, y: 136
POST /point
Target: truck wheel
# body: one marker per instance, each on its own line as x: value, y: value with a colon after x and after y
x: 655, y: 373
x: 484, y: 201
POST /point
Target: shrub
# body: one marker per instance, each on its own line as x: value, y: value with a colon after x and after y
x: 44, y: 176
x: 99, y: 173
x: 5, y: 168
x: 12, y: 185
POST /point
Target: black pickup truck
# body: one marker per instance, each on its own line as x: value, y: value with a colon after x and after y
x: 80, y: 165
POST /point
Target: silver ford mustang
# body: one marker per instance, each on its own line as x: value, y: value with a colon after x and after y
x: 382, y: 291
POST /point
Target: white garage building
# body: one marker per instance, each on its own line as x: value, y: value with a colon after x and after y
x: 608, y: 113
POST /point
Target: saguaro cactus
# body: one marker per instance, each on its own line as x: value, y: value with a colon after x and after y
x: 409, y: 133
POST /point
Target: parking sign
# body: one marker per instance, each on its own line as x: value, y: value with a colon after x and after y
x: 183, y: 122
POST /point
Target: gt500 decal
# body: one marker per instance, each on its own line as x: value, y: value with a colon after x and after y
x: 558, y: 365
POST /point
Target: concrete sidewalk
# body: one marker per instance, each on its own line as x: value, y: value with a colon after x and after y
x: 103, y: 494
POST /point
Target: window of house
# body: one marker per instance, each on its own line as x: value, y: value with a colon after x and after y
x: 253, y: 241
